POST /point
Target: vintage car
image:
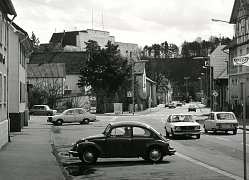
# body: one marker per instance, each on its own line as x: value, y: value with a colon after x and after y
x: 221, y: 121
x: 128, y: 139
x: 192, y: 107
x: 43, y: 110
x: 172, y: 105
x: 182, y: 124
x: 71, y: 116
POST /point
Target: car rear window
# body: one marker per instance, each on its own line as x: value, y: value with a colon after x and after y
x: 225, y: 116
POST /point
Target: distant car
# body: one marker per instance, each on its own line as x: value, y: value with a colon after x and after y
x: 182, y: 124
x: 128, y: 139
x: 192, y: 108
x: 71, y: 116
x: 166, y: 105
x: 179, y: 103
x: 172, y: 105
x: 221, y: 121
x: 43, y: 110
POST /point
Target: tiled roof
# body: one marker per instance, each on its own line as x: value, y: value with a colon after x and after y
x: 9, y: 8
x: 52, y: 70
x: 74, y: 61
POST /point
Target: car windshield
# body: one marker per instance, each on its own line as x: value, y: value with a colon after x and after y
x: 182, y: 118
x: 107, y: 129
x: 225, y: 116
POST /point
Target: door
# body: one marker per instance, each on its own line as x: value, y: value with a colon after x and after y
x: 79, y: 115
x: 141, y: 137
x: 118, y: 142
x: 69, y: 116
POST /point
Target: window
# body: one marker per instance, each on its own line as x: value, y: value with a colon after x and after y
x: 121, y: 132
x: 22, y: 91
x: 141, y: 132
x: 5, y: 89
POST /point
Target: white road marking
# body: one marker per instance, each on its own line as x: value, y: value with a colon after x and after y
x: 222, y: 138
x: 209, y: 167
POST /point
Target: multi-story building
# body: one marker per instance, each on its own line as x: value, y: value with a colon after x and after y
x: 75, y: 41
x: 6, y: 7
x: 19, y: 51
x: 238, y: 48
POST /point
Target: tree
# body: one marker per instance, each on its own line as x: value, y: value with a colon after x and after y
x: 35, y: 42
x: 106, y: 71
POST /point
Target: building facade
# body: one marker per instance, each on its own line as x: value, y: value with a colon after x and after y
x: 6, y: 7
x: 239, y: 47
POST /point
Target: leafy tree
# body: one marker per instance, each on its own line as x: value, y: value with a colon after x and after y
x: 165, y: 48
x: 35, y: 42
x: 107, y: 72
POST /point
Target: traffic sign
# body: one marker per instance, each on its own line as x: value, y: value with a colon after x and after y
x: 215, y: 93
x: 129, y: 94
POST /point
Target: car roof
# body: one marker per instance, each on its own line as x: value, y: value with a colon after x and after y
x: 222, y: 112
x: 129, y: 123
x: 181, y: 114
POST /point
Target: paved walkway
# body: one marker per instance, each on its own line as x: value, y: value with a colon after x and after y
x: 29, y: 155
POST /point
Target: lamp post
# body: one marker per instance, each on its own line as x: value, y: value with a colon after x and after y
x: 186, y: 78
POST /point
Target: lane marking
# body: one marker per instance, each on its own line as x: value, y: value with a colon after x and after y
x: 209, y: 167
x: 222, y: 138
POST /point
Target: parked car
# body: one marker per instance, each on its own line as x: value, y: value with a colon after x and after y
x: 182, y: 124
x: 166, y: 105
x: 221, y: 121
x: 192, y: 107
x: 179, y: 104
x: 43, y: 110
x: 71, y: 116
x: 172, y: 105
x: 123, y: 140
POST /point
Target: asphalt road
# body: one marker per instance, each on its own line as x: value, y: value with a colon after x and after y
x: 210, y: 157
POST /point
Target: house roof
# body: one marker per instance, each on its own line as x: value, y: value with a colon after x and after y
x: 236, y: 6
x: 74, y: 61
x: 8, y: 7
x: 52, y: 70
x: 66, y: 38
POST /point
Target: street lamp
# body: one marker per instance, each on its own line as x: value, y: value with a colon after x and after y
x: 186, y: 78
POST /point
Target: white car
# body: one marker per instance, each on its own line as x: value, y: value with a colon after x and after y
x: 71, y: 116
x: 221, y: 121
x: 182, y: 124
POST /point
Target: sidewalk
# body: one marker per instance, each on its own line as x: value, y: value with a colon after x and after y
x: 29, y: 155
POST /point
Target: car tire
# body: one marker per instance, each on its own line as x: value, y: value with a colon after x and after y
x: 59, y: 122
x: 154, y: 154
x: 85, y: 121
x: 166, y: 132
x: 88, y: 156
x: 234, y: 131
x: 198, y: 136
x: 173, y: 134
x: 214, y: 131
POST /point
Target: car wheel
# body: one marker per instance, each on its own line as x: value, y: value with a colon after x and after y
x: 198, y: 136
x: 235, y: 131
x: 214, y: 131
x: 88, y: 156
x: 154, y: 155
x: 205, y: 130
x: 59, y: 122
x: 167, y: 134
x: 173, y: 134
x: 85, y: 121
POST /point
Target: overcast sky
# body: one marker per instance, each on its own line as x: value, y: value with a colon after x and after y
x: 143, y: 22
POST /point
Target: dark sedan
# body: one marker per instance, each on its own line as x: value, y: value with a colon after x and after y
x: 123, y: 140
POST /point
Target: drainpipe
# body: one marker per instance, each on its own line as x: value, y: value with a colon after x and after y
x: 8, y: 52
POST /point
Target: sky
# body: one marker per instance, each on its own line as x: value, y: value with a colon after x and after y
x: 143, y: 22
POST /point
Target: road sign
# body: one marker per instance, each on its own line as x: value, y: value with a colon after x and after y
x: 215, y: 93
x: 129, y: 94
x: 207, y: 63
